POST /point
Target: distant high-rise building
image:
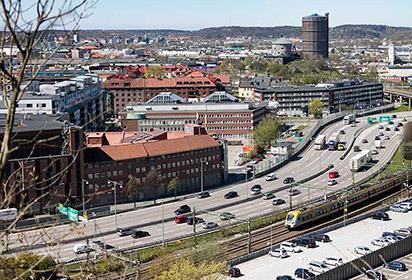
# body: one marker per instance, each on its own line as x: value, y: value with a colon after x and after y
x: 315, y: 35
x: 76, y: 38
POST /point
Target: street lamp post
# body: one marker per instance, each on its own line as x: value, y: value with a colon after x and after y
x: 84, y: 182
x: 115, y: 184
x: 202, y: 173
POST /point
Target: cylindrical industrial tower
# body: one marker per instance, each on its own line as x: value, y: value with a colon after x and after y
x: 315, y: 35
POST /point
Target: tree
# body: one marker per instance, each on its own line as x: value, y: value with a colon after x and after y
x: 132, y: 188
x: 173, y: 185
x: 266, y: 131
x: 155, y: 72
x: 184, y: 269
x: 407, y: 141
x: 316, y: 108
x: 153, y: 181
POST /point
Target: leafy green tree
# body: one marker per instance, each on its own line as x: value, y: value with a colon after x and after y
x: 316, y: 108
x: 407, y: 141
x: 153, y: 181
x: 155, y: 72
x: 184, y: 269
x: 173, y: 185
x: 27, y: 266
x: 132, y: 189
x: 265, y: 132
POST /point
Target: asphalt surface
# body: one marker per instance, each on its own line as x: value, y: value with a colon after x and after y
x: 310, y: 162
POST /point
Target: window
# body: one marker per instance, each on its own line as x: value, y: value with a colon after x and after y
x: 120, y: 172
x: 90, y: 176
x: 109, y: 173
x: 114, y: 173
x: 137, y: 169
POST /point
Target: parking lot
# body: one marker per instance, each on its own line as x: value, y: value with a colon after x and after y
x: 344, y: 240
x: 393, y: 274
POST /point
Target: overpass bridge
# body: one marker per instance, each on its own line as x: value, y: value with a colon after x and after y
x: 401, y: 95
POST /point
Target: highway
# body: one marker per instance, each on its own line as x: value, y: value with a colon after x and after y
x: 267, y: 267
x: 310, y: 162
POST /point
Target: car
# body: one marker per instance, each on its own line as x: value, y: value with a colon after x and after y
x: 234, y: 272
x: 380, y: 215
x: 341, y: 147
x: 387, y: 129
x: 396, y: 265
x: 387, y: 137
x: 391, y: 239
x: 394, y: 116
x: 333, y: 174
x: 377, y: 138
x: 395, y: 129
x: 398, y: 208
x: 322, y: 238
x: 304, y: 273
x: 194, y: 220
x: 317, y: 266
x: 387, y: 233
x: 404, y: 120
x: 125, y: 231
x: 231, y: 194
x: 180, y: 219
x: 99, y: 243
x: 305, y: 242
x: 356, y: 149
x: 380, y: 133
x: 399, y: 124
x: 278, y: 201
x: 374, y: 274
x: 82, y: 249
x: 268, y: 195
x: 182, y: 210
x: 390, y: 122
x: 362, y: 250
x: 255, y: 190
x: 140, y: 234
x: 353, y: 124
x: 293, y: 192
x: 258, y: 159
x: 253, y: 162
x: 270, y: 177
x: 403, y: 232
x: 374, y: 152
x: 380, y: 126
x: 249, y: 167
x: 332, y: 182
x: 333, y: 261
x: 284, y: 277
x: 406, y: 205
x: 380, y: 242
x: 203, y: 195
x: 364, y: 141
x: 278, y: 253
x: 209, y: 225
x: 226, y: 216
x: 290, y: 247
x: 342, y: 131
x: 288, y: 180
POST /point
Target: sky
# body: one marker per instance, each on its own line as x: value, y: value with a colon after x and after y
x: 196, y: 14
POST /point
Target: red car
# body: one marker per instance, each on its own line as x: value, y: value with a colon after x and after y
x: 258, y: 159
x: 333, y: 174
x: 180, y: 219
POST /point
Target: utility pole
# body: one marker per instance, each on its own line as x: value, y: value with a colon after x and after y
x: 163, y: 224
x: 194, y: 226
x: 115, y: 198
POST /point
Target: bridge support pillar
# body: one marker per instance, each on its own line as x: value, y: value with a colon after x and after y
x: 409, y: 103
x: 400, y: 99
x: 390, y: 97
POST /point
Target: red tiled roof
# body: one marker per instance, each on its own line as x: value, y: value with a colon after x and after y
x: 157, y: 148
x: 122, y: 81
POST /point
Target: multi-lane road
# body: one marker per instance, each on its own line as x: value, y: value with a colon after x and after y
x: 150, y: 219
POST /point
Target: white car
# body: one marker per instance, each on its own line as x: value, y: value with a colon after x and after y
x: 391, y: 239
x: 316, y: 266
x: 82, y: 248
x: 270, y: 177
x: 406, y: 205
x: 332, y: 182
x: 380, y: 242
x: 278, y: 253
x: 362, y: 250
x: 403, y: 232
x: 208, y: 225
x: 253, y: 162
x: 290, y: 247
x: 293, y: 192
x: 333, y: 261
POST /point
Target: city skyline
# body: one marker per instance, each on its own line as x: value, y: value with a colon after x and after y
x: 193, y: 15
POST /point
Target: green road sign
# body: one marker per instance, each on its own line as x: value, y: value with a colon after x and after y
x: 73, y: 214
x: 61, y: 209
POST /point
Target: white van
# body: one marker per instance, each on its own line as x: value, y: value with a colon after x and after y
x: 318, y: 267
x: 81, y: 248
x: 290, y: 247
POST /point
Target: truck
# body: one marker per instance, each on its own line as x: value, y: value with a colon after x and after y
x: 8, y: 214
x: 349, y: 119
x: 360, y: 160
x: 320, y: 142
x: 378, y: 144
x: 333, y: 141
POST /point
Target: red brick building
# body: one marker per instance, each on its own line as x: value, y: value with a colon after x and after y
x: 118, y: 156
x: 124, y: 90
